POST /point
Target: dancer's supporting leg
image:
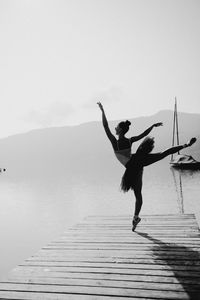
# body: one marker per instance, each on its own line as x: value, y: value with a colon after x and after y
x: 137, y: 188
x: 138, y: 200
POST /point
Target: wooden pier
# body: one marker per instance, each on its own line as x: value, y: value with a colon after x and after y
x: 101, y: 258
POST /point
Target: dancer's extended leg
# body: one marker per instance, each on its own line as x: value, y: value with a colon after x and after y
x: 154, y: 157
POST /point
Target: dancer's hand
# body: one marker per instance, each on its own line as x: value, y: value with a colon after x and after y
x: 158, y: 124
x: 100, y: 106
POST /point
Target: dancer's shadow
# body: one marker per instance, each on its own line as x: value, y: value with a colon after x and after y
x: 174, y: 256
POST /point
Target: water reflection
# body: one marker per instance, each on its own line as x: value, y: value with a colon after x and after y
x: 179, y: 176
x: 179, y: 188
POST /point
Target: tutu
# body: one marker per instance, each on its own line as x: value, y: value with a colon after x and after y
x: 146, y: 146
x: 134, y: 168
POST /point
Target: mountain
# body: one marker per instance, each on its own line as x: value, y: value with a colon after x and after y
x: 84, y: 150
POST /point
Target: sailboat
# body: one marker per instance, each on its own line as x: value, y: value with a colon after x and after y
x: 181, y: 161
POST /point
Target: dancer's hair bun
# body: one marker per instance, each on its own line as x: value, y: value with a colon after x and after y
x: 124, y: 125
x: 127, y: 122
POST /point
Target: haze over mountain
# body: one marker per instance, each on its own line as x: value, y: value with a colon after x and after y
x: 84, y: 150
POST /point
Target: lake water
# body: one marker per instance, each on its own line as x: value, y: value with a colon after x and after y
x: 35, y: 211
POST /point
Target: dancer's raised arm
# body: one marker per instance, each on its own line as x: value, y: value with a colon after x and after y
x: 145, y: 133
x: 106, y: 127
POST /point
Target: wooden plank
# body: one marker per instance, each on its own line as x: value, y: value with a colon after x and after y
x: 148, y: 221
x: 142, y: 224
x: 165, y: 226
x: 105, y: 283
x: 131, y: 234
x: 144, y: 221
x: 115, y: 260
x: 142, y: 227
x: 164, y: 259
x: 137, y: 238
x: 154, y: 216
x: 170, y: 259
x: 16, y: 295
x: 37, y: 273
x: 121, y: 230
x: 94, y: 245
x: 151, y: 233
x: 149, y: 218
x: 111, y: 265
x: 117, y: 243
x: 128, y: 271
x: 173, y: 250
x: 90, y: 290
x: 125, y: 238
x: 122, y: 253
x: 114, y: 240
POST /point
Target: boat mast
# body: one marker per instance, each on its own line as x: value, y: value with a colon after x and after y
x: 177, y: 133
x: 175, y: 127
x: 173, y: 130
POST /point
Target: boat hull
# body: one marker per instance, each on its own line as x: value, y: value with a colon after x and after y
x: 186, y: 166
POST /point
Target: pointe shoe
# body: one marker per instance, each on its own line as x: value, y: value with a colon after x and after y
x: 191, y: 142
x: 135, y: 222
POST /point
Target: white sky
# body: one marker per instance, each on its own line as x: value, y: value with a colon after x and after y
x: 58, y: 58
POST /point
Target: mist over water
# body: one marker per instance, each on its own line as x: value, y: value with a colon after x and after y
x: 36, y: 210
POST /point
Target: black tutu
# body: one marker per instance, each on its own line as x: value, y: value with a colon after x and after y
x: 134, y: 168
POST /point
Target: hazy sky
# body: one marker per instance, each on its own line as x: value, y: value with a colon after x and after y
x: 58, y: 58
